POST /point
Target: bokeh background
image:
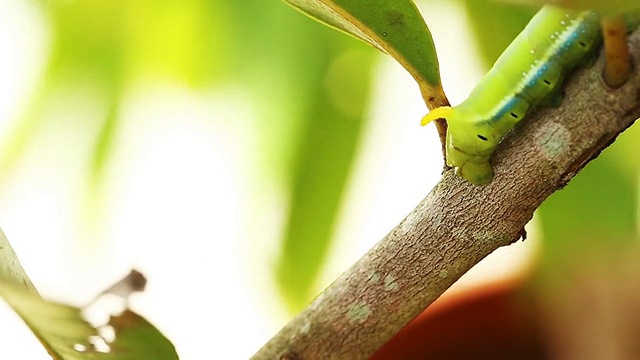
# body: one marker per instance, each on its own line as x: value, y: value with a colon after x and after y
x: 237, y: 153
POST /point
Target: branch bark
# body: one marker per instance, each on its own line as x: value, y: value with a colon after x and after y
x: 458, y: 224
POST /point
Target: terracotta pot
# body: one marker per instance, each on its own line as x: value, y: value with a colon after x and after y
x: 497, y: 321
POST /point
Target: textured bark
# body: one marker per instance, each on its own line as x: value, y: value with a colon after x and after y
x: 458, y: 224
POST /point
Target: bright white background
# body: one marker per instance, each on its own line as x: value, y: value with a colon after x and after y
x: 179, y: 202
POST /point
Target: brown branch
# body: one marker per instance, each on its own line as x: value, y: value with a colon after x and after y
x: 458, y: 224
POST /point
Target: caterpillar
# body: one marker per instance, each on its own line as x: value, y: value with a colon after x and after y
x: 527, y: 74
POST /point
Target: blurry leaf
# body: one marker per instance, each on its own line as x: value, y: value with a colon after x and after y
x: 310, y: 86
x: 106, y: 45
x: 495, y: 25
x: 10, y: 267
x: 138, y: 339
x: 626, y: 151
x: 325, y: 154
x: 610, y: 6
x: 104, y: 146
x: 88, y: 51
x: 395, y: 27
x: 135, y: 281
x: 66, y: 335
x: 179, y: 39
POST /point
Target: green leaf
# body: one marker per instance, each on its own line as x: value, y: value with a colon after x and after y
x: 311, y: 92
x: 10, y: 267
x: 395, y: 27
x: 67, y: 336
x: 332, y: 123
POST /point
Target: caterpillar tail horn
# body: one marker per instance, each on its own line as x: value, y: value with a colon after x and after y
x: 440, y: 113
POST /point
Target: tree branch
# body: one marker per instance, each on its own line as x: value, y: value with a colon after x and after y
x: 458, y: 224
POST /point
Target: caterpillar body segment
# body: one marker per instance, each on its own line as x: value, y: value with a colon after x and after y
x: 527, y: 74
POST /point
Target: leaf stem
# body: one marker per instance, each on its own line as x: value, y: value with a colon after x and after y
x: 617, y: 65
x: 433, y: 100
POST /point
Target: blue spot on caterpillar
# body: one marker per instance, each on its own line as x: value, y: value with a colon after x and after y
x: 527, y: 74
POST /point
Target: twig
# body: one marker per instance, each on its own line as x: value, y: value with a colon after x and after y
x: 434, y: 101
x: 617, y: 66
x: 458, y: 224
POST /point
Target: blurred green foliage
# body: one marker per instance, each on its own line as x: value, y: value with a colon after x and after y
x: 324, y: 156
x: 597, y: 210
x: 315, y: 85
x: 308, y: 84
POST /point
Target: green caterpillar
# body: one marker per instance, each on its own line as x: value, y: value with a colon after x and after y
x: 528, y: 73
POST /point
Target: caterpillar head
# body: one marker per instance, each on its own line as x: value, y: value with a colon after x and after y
x: 469, y: 144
